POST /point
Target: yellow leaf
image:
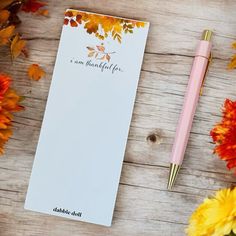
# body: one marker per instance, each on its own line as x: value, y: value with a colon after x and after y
x: 232, y: 64
x: 6, y: 34
x: 4, y: 15
x: 140, y: 24
x: 234, y: 45
x: 117, y: 27
x: 35, y: 72
x: 17, y: 46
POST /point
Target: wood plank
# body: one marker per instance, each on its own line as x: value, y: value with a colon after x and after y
x: 144, y: 207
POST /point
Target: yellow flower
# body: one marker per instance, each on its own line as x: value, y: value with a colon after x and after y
x: 215, y: 216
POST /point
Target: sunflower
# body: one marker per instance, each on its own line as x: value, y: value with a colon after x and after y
x: 9, y: 103
x: 224, y: 135
x: 216, y: 216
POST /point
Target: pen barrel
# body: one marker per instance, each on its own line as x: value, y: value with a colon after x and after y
x: 190, y: 101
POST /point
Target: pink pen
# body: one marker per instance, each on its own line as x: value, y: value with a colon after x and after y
x: 197, y: 75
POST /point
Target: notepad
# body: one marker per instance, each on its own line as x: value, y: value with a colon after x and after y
x: 82, y: 142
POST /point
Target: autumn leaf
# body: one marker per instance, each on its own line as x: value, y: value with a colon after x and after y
x: 90, y: 48
x: 32, y: 6
x: 35, y: 72
x: 66, y: 21
x: 17, y: 46
x: 234, y: 45
x: 91, y: 27
x: 73, y: 23
x: 103, y: 57
x: 232, y: 64
x: 6, y: 34
x: 105, y: 24
x: 69, y: 13
x: 100, y: 48
x: 5, y: 3
x: 108, y: 57
x: 4, y: 16
x: 140, y: 24
x: 78, y: 19
x: 43, y: 12
x: 91, y: 54
x: 117, y: 27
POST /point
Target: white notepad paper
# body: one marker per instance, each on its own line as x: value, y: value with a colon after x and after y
x: 86, y: 123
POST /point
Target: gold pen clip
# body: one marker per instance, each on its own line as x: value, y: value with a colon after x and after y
x: 208, y: 64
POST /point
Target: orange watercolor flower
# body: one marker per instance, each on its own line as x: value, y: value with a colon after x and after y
x: 224, y: 135
x: 9, y: 103
x: 102, y: 26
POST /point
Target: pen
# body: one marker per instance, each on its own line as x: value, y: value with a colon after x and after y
x: 196, y: 78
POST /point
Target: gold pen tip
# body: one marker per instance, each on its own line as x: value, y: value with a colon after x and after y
x: 207, y: 35
x: 174, y: 169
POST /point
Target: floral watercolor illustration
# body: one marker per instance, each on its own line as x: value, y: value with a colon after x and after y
x: 99, y: 52
x: 102, y: 26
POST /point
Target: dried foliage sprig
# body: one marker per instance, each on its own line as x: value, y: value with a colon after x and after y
x: 108, y: 25
x: 9, y: 37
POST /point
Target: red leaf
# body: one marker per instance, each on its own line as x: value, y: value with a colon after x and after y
x: 69, y: 13
x: 78, y: 18
x: 73, y: 23
x: 66, y: 21
x: 32, y: 6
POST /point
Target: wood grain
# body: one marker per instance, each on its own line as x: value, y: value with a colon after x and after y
x: 143, y: 207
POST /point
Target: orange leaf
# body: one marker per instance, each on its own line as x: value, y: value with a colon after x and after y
x: 91, y: 27
x: 6, y: 34
x: 234, y: 45
x: 232, y: 64
x: 35, y: 72
x: 5, y: 3
x: 90, y: 48
x: 43, y: 12
x: 103, y: 57
x: 17, y: 46
x: 78, y: 18
x: 108, y: 57
x: 101, y: 48
x: 4, y: 15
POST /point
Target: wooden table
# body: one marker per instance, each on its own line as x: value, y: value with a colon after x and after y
x: 143, y: 206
